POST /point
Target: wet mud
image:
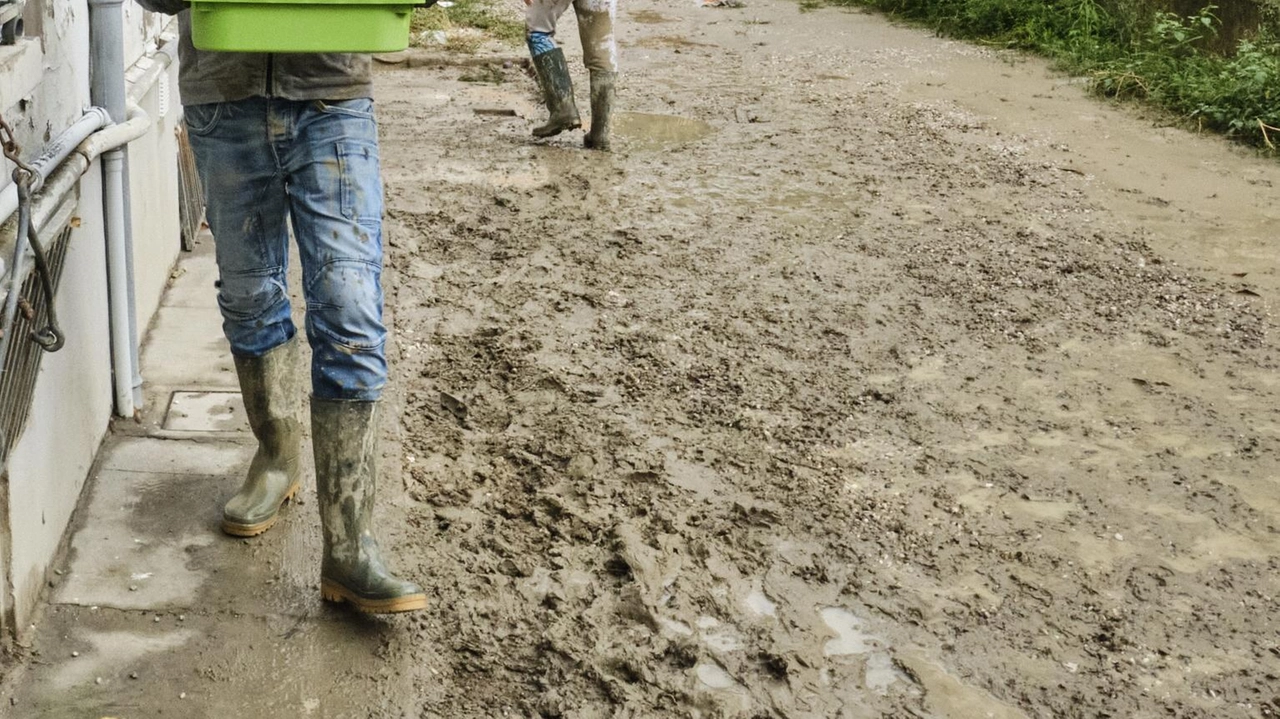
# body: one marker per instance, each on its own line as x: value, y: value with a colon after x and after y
x: 872, y: 375
x: 865, y: 379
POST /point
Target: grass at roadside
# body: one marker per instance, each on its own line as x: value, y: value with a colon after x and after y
x: 497, y: 19
x: 1129, y: 53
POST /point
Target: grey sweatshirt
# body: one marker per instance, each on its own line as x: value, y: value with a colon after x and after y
x: 205, y: 77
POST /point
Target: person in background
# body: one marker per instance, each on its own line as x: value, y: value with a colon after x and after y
x: 599, y: 54
x: 284, y: 139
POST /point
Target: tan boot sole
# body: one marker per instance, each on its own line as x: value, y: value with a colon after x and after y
x: 549, y: 130
x: 236, y: 529
x: 338, y: 594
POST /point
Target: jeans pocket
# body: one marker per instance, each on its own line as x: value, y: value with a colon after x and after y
x: 361, y: 107
x: 361, y: 182
x: 202, y: 119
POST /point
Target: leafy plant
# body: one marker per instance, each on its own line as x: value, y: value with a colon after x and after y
x: 489, y: 16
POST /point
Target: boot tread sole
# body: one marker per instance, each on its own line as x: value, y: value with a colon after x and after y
x: 333, y: 592
x: 545, y: 132
x: 240, y: 529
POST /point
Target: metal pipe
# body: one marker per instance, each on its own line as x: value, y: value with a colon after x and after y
x: 107, y: 90
x: 60, y: 182
x: 118, y: 282
x: 54, y: 154
x: 94, y: 119
x: 161, y: 59
x: 18, y: 274
x: 116, y: 136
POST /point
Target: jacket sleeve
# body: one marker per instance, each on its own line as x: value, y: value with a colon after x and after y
x: 168, y: 7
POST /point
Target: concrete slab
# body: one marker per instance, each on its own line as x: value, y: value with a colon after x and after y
x: 209, y: 665
x: 148, y: 454
x: 187, y: 347
x: 129, y: 554
x: 160, y: 614
x: 206, y: 412
x: 193, y: 283
x: 148, y: 536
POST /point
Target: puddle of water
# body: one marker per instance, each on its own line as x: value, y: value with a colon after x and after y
x: 757, y: 602
x: 850, y: 639
x: 715, y: 677
x: 644, y: 128
x: 881, y: 673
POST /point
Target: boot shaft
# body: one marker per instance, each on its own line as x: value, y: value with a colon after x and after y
x: 603, y: 84
x: 557, y: 92
x: 344, y: 437
x: 271, y: 387
x: 553, y: 75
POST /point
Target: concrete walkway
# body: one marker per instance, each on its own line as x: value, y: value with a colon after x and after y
x: 156, y: 612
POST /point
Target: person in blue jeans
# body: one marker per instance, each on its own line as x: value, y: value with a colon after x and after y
x: 291, y: 141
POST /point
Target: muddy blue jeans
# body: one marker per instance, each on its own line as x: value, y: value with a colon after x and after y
x: 269, y: 163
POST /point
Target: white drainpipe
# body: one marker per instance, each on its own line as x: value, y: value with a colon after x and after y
x: 107, y: 90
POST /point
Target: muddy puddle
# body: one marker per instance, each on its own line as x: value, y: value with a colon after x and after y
x: 653, y: 131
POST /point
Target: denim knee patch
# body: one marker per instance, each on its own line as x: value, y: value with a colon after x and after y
x: 344, y: 324
x: 255, y: 311
x: 344, y: 304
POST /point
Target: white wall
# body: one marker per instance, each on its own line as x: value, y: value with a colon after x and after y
x: 156, y: 231
x: 50, y: 461
x: 70, y: 410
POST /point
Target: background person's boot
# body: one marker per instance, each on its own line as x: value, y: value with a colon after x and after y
x: 557, y: 90
x: 271, y: 388
x: 602, y: 84
x: 345, y: 437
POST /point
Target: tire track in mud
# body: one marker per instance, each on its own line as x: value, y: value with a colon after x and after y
x: 858, y: 407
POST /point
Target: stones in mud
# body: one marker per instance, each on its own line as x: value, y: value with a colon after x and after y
x: 582, y: 467
x: 455, y: 407
x: 514, y: 569
x: 551, y: 704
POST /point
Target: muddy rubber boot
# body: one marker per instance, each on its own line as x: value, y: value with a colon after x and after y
x: 270, y: 386
x: 602, y: 84
x: 557, y: 90
x: 345, y: 437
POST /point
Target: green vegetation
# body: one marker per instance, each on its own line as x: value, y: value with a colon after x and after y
x: 1132, y: 50
x: 491, y: 17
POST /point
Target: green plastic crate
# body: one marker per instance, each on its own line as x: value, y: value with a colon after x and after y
x: 296, y: 26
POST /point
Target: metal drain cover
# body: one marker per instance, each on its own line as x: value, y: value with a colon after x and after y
x: 206, y: 412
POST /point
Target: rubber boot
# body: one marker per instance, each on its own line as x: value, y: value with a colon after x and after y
x: 345, y: 437
x: 270, y: 386
x: 557, y: 89
x: 602, y: 84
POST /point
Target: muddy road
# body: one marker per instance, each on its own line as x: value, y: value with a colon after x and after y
x: 883, y: 376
